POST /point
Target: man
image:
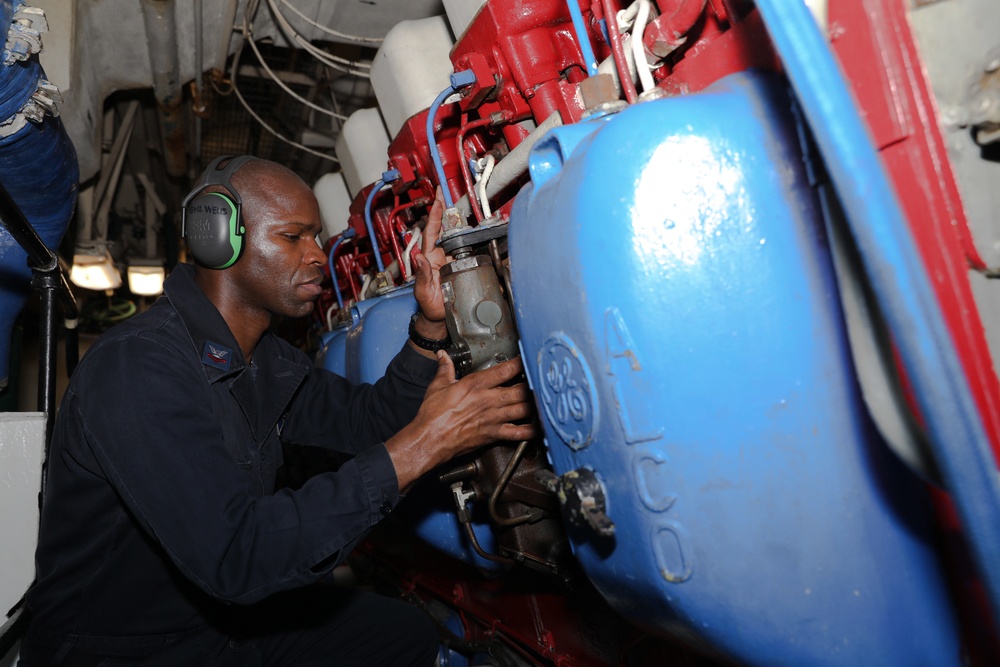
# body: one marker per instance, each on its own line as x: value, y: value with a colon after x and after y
x: 163, y: 540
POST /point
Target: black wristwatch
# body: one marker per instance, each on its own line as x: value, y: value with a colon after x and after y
x: 426, y: 343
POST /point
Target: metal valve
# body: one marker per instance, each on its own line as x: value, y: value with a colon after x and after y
x: 581, y: 495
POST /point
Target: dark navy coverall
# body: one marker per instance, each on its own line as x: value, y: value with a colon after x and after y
x: 162, y: 523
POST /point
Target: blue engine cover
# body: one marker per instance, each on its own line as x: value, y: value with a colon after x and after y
x: 682, y: 333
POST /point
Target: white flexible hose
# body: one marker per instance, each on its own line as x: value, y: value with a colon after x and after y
x: 364, y: 287
x: 329, y: 317
x: 641, y: 64
x: 484, y: 200
x: 414, y: 240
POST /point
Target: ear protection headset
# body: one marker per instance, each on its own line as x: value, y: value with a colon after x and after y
x: 211, y: 221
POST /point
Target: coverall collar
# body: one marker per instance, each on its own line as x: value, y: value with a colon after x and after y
x: 220, y: 354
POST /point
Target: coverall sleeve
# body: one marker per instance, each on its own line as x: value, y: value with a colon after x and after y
x: 330, y: 412
x: 151, y: 428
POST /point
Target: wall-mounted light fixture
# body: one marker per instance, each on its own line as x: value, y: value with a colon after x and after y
x: 94, y: 270
x: 145, y: 277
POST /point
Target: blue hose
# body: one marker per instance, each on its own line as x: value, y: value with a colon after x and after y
x: 581, y: 36
x: 899, y: 279
x: 371, y: 228
x: 348, y: 233
x: 458, y: 80
x: 387, y: 177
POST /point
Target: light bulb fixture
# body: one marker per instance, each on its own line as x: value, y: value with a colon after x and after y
x: 145, y: 277
x: 94, y: 271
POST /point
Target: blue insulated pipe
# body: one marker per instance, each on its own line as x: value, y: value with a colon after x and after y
x: 39, y: 170
x: 899, y: 279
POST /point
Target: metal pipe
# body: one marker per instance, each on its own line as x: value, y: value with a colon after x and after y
x: 12, y: 631
x: 199, y: 62
x: 618, y: 49
x: 11, y: 217
x: 508, y: 472
x: 48, y: 277
x: 198, y: 47
x: 48, y: 283
x: 228, y: 22
x: 404, y: 271
x: 160, y: 21
x: 460, y: 473
x: 108, y: 183
x: 513, y: 165
x: 479, y: 549
x: 899, y: 279
x: 395, y: 251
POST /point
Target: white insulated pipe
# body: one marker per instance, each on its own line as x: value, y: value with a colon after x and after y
x: 160, y: 20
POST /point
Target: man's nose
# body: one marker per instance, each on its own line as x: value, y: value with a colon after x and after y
x: 315, y: 254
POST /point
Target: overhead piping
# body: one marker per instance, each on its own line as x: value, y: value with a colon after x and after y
x: 228, y: 27
x: 160, y: 19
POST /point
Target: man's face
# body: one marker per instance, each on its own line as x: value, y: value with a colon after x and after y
x: 281, y: 267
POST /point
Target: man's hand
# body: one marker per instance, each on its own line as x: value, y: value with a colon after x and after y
x: 460, y: 415
x: 427, y: 269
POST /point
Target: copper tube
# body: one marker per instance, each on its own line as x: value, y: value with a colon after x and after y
x: 621, y: 63
x: 482, y: 552
x: 502, y: 484
x: 392, y: 235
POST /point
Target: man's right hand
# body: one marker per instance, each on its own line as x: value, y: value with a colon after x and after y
x: 460, y: 415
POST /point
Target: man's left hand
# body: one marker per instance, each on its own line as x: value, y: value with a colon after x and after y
x: 427, y: 269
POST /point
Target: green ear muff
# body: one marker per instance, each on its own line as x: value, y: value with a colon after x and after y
x: 213, y: 230
x: 212, y: 222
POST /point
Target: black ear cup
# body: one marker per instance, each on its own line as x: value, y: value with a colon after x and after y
x: 212, y: 220
x: 214, y: 230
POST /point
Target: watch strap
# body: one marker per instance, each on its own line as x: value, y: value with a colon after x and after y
x: 426, y: 343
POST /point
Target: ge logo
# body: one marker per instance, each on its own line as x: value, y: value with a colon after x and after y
x: 567, y: 391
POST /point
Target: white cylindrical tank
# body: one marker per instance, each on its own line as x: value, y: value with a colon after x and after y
x: 460, y: 14
x: 362, y: 149
x: 334, y: 203
x: 411, y: 68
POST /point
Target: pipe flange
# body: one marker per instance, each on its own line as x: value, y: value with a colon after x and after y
x: 466, y: 237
